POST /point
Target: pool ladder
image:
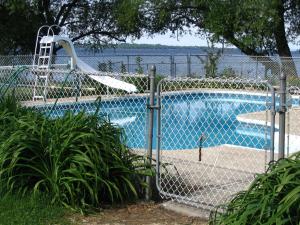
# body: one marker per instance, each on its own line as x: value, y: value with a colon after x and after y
x: 42, y: 61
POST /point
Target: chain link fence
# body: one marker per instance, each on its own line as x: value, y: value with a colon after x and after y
x: 76, y: 91
x: 292, y: 120
x: 212, y: 143
x: 213, y: 128
x: 189, y: 65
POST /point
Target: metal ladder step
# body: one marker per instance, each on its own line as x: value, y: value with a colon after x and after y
x: 38, y: 97
x: 40, y: 87
x: 43, y: 77
x: 45, y: 45
x: 43, y: 66
x: 44, y: 57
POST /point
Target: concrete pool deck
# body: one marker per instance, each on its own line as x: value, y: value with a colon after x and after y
x: 82, y: 99
x: 293, y: 119
x: 292, y: 126
x: 223, y: 171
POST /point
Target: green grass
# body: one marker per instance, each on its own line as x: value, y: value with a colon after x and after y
x: 29, y: 210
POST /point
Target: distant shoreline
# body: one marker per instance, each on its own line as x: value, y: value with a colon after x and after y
x: 150, y: 46
x: 155, y: 49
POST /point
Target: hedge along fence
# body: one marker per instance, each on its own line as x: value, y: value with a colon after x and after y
x: 80, y: 160
x: 225, y: 84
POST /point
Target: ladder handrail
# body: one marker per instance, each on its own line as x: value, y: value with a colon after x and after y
x: 38, y: 36
x: 51, y: 28
x: 37, y: 41
x: 44, y: 59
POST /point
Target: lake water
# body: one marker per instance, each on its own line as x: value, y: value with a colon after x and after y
x: 173, y: 61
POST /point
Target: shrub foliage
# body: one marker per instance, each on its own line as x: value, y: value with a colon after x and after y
x: 273, y: 198
x: 79, y: 159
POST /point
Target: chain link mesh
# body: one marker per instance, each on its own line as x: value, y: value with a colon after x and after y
x: 214, y: 138
x: 183, y: 65
x: 77, y: 91
x: 292, y: 120
x: 215, y: 124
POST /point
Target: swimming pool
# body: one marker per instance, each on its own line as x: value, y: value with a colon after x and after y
x: 184, y: 118
x: 215, y: 116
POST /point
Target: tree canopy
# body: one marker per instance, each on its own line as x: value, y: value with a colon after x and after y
x: 256, y: 27
x: 102, y: 21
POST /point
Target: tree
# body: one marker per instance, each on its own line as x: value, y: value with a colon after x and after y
x: 139, y: 69
x: 256, y: 27
x: 123, y: 68
x: 90, y: 22
x: 18, y: 27
x: 211, y: 61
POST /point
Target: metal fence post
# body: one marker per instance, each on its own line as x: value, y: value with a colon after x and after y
x: 175, y: 70
x: 158, y: 138
x: 256, y: 68
x: 151, y: 107
x: 128, y: 63
x: 273, y: 115
x: 188, y: 61
x: 282, y: 112
x: 172, y: 62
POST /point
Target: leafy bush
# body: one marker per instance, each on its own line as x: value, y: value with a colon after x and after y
x: 228, y: 72
x: 293, y: 81
x: 273, y: 198
x: 79, y: 159
x: 175, y: 85
x: 139, y: 69
x: 141, y: 82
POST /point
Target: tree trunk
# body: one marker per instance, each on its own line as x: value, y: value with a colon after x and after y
x: 266, y: 61
x: 287, y: 62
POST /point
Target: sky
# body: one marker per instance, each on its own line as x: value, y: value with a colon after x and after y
x: 184, y: 40
x: 166, y: 39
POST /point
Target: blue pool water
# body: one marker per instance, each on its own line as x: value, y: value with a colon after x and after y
x: 215, y: 117
x: 185, y: 117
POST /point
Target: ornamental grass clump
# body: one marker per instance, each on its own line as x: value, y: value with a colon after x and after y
x: 79, y: 160
x: 273, y: 198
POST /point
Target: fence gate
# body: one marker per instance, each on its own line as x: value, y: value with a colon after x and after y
x: 213, y: 137
x: 293, y: 114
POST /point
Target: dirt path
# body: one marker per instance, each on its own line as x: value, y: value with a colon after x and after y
x: 137, y: 214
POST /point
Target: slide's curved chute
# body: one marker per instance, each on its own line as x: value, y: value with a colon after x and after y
x: 67, y: 44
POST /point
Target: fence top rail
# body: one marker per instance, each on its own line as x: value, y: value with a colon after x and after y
x: 98, y: 73
x: 58, y: 71
x: 275, y: 57
x: 217, y: 79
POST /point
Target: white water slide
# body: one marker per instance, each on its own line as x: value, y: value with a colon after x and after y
x: 67, y: 44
